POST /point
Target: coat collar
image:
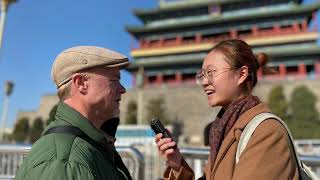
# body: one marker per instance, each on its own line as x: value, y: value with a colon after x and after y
x: 249, y: 115
x: 66, y: 114
x: 235, y: 132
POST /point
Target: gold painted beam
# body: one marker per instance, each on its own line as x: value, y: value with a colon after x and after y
x: 264, y: 40
x: 171, y: 50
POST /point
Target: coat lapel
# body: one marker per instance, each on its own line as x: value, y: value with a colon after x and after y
x: 226, y: 143
x: 233, y: 134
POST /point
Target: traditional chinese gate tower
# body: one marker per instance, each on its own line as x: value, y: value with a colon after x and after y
x: 176, y: 35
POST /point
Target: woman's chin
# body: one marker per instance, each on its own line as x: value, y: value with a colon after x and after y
x: 212, y: 103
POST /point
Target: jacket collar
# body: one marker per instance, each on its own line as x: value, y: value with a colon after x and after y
x: 249, y: 115
x: 235, y: 132
x: 71, y: 116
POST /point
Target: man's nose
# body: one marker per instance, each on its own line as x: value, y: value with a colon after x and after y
x: 122, y: 89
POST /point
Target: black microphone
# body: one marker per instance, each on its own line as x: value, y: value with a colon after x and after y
x: 157, y: 127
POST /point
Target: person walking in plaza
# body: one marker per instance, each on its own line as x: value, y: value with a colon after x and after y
x: 228, y: 75
x: 79, y: 143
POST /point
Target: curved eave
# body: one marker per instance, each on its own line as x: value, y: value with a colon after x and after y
x: 280, y: 39
x: 219, y: 19
x: 279, y: 52
x: 182, y: 5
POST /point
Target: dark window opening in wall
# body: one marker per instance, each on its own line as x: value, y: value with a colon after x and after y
x: 245, y: 34
x: 265, y: 28
x: 154, y: 43
x: 189, y: 40
x: 222, y: 37
x: 310, y: 68
x: 292, y: 69
x: 169, y: 78
x: 208, y: 38
x: 287, y: 29
x: 152, y: 79
x: 169, y: 42
x: 266, y: 31
x: 215, y: 37
x: 188, y: 77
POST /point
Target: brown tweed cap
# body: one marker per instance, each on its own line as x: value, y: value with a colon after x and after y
x: 80, y: 58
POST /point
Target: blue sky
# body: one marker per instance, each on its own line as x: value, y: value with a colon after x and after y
x: 37, y: 30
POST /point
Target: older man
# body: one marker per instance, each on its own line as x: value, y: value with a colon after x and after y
x: 79, y: 144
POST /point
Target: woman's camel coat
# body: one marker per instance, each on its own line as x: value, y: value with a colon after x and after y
x: 268, y: 154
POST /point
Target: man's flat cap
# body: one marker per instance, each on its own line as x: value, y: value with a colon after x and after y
x: 80, y: 58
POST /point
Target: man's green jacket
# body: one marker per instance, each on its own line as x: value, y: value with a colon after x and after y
x: 62, y: 156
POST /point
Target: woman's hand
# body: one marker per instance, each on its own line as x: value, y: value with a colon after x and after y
x: 169, y: 151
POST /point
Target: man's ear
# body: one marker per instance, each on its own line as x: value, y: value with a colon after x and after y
x: 243, y: 74
x: 80, y: 82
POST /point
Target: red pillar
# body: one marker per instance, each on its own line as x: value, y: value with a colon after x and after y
x: 233, y: 33
x: 302, y: 70
x: 178, y: 77
x: 276, y: 28
x: 317, y: 68
x: 161, y: 42
x: 159, y: 79
x: 146, y: 43
x: 179, y: 40
x: 295, y: 27
x: 304, y: 26
x: 255, y: 31
x: 282, y: 70
x: 198, y: 38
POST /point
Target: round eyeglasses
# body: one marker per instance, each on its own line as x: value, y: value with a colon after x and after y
x: 210, y: 74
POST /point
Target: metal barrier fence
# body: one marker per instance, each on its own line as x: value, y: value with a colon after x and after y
x: 11, y: 157
x: 142, y: 166
x: 197, y: 158
x: 133, y: 160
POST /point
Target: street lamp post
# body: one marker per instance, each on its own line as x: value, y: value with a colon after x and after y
x: 140, y: 83
x: 4, y: 9
x: 7, y: 92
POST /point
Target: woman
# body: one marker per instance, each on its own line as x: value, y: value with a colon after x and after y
x: 228, y: 75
